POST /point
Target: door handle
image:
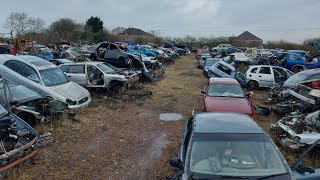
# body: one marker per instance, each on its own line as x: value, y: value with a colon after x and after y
x: 69, y: 76
x: 260, y: 76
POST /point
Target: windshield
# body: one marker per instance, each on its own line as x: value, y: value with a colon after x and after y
x: 225, y: 90
x: 21, y: 93
x: 234, y: 155
x: 106, y: 69
x: 53, y: 77
x: 210, y: 62
x: 294, y: 80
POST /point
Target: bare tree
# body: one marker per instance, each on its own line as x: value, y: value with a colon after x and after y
x: 17, y: 22
x: 118, y: 30
x: 36, y: 24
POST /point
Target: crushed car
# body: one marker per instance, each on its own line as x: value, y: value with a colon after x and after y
x: 225, y: 70
x: 298, y: 130
x: 281, y: 91
x: 17, y: 142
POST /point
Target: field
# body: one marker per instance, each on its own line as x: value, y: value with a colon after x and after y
x: 124, y: 138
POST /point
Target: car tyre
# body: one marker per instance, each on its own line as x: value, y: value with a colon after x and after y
x: 252, y: 85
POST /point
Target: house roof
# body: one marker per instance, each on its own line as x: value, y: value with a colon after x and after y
x: 247, y: 36
x: 135, y: 32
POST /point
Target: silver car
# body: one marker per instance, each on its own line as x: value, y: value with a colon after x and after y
x: 49, y: 76
x: 96, y: 74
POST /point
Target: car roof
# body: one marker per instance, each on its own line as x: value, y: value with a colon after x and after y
x: 223, y: 81
x: 253, y: 66
x: 84, y: 62
x: 33, y: 61
x: 225, y: 123
x: 310, y: 72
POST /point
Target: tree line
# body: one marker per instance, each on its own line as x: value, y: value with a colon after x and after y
x: 93, y: 31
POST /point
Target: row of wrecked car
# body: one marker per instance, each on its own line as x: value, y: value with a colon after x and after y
x: 34, y: 90
x: 223, y: 142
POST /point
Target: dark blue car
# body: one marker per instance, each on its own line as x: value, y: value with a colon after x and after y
x: 232, y: 146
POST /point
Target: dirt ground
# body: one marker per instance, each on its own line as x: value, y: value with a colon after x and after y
x: 124, y: 138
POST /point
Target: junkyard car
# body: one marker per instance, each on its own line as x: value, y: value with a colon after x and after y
x: 98, y: 74
x: 18, y: 142
x: 227, y: 146
x: 143, y: 50
x: 226, y: 95
x: 110, y: 53
x: 50, y: 77
x: 280, y: 92
x: 298, y: 130
x: 225, y: 70
x: 31, y: 105
x: 266, y: 76
x: 239, y: 58
x: 202, y: 60
x: 209, y: 62
x: 221, y: 47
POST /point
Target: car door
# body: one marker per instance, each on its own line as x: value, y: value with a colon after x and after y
x: 280, y: 75
x: 76, y: 73
x: 293, y: 59
x: 252, y: 74
x: 265, y: 76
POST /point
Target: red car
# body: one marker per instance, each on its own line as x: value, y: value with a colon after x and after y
x: 200, y: 52
x: 226, y: 95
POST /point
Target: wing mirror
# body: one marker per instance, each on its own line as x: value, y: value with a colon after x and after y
x: 176, y: 162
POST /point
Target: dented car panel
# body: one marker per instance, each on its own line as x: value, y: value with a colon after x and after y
x: 299, y: 130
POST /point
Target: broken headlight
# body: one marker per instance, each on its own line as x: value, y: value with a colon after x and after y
x: 70, y: 102
x: 296, y: 139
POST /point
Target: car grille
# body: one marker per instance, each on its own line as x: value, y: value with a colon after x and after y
x: 83, y: 100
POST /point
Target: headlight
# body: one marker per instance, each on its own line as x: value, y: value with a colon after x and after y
x: 296, y: 139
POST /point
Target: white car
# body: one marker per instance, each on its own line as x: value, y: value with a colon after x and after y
x: 96, y: 74
x: 266, y: 75
x: 49, y: 76
x: 221, y: 47
x: 239, y: 57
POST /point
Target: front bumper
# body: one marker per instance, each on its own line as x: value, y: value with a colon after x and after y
x: 81, y: 105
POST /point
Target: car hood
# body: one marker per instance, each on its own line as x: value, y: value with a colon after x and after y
x: 227, y: 104
x: 71, y: 91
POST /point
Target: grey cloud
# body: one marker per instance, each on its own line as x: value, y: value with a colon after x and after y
x: 269, y: 19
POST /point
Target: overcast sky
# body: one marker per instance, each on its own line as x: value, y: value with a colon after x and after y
x: 293, y: 20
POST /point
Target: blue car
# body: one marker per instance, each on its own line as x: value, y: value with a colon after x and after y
x: 143, y: 50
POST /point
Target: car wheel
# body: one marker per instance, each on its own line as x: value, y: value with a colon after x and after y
x: 252, y: 85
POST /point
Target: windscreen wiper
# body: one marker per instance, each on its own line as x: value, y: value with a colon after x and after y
x: 273, y: 175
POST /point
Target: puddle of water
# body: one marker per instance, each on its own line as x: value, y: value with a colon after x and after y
x: 170, y: 117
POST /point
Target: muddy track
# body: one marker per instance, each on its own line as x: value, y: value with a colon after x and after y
x: 122, y: 139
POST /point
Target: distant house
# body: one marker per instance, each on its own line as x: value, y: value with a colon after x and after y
x: 133, y: 34
x: 247, y: 39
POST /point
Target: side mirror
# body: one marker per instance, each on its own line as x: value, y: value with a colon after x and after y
x: 203, y: 92
x: 176, y: 162
x: 303, y: 169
